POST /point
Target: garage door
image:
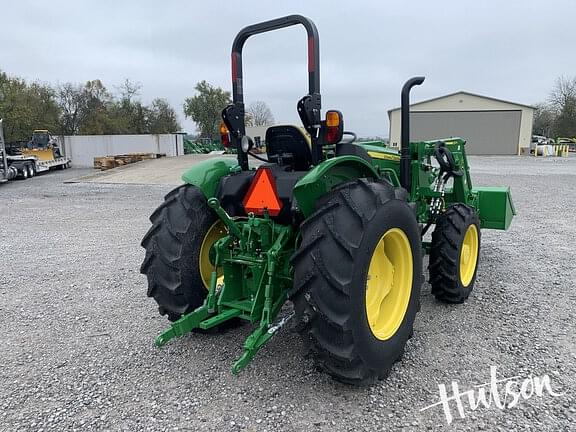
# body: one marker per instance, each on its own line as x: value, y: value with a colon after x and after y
x: 486, y: 132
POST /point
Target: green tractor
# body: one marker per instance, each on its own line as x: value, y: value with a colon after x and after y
x: 333, y: 227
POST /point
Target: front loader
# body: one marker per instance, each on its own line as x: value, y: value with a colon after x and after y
x: 331, y: 228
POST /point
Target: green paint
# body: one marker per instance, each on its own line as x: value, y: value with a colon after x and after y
x: 495, y: 206
x: 257, y: 273
x: 386, y: 160
x: 375, y: 146
x: 206, y: 174
x: 323, y: 177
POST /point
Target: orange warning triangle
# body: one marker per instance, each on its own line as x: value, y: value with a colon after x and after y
x: 262, y: 194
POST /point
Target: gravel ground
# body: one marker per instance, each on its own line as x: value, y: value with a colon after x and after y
x: 77, y: 351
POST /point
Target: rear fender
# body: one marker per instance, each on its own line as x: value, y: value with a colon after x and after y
x: 206, y: 175
x: 328, y: 174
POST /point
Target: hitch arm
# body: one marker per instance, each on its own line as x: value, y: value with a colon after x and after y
x: 214, y: 204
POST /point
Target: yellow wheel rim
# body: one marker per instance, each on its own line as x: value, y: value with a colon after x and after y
x: 216, y: 232
x: 469, y: 255
x: 389, y: 283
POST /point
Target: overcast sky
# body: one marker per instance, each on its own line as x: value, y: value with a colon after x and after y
x: 511, y: 50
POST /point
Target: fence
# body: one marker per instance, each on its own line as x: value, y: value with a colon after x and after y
x: 82, y: 149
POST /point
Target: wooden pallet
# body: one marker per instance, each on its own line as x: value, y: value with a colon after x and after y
x: 107, y: 162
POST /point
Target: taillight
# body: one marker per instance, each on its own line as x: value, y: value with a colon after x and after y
x: 262, y: 194
x: 334, y: 127
x: 224, y: 135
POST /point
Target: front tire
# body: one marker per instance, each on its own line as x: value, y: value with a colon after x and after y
x: 177, y: 247
x: 454, y: 254
x: 357, y: 278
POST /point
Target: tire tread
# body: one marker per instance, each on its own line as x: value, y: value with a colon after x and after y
x: 444, y: 253
x: 320, y: 296
x: 171, y: 244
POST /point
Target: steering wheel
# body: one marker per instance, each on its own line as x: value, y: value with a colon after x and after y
x: 351, y: 140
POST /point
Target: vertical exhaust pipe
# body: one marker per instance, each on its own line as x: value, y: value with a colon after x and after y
x: 405, y: 157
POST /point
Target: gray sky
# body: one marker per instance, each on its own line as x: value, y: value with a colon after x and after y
x: 510, y: 50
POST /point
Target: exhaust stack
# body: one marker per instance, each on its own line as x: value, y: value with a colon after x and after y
x: 405, y: 157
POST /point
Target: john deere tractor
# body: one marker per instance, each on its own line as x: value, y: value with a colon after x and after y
x: 323, y: 232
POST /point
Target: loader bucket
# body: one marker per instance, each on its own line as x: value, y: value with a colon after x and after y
x: 42, y: 154
x: 495, y: 206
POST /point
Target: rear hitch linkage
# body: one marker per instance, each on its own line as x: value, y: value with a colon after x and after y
x: 253, y: 253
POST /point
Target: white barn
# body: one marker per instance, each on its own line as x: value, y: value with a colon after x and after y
x: 490, y: 126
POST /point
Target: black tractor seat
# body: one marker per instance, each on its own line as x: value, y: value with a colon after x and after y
x: 289, y: 145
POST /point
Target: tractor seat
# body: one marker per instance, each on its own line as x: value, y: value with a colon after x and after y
x: 289, y: 145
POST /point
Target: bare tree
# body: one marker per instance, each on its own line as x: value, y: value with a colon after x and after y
x: 563, y: 101
x: 563, y: 93
x: 128, y: 90
x: 72, y: 103
x: 259, y: 114
x: 544, y: 120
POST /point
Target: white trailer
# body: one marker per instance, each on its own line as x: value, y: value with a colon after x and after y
x: 25, y: 166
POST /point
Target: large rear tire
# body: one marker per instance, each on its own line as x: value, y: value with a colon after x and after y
x: 454, y: 254
x: 357, y: 278
x: 177, y: 262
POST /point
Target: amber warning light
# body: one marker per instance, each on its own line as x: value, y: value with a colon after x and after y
x: 224, y: 135
x: 262, y: 194
x: 334, y: 127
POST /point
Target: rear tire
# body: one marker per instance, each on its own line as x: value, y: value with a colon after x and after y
x: 24, y: 173
x: 452, y: 276
x: 173, y: 245
x: 332, y: 270
x: 30, y: 171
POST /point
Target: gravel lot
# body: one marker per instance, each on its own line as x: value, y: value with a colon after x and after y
x: 77, y: 351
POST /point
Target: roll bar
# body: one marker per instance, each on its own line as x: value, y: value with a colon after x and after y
x: 405, y: 156
x: 234, y: 114
x: 275, y: 24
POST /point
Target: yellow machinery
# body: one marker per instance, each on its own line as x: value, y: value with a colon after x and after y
x: 43, y: 146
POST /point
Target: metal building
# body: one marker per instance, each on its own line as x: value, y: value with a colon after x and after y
x: 490, y: 126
